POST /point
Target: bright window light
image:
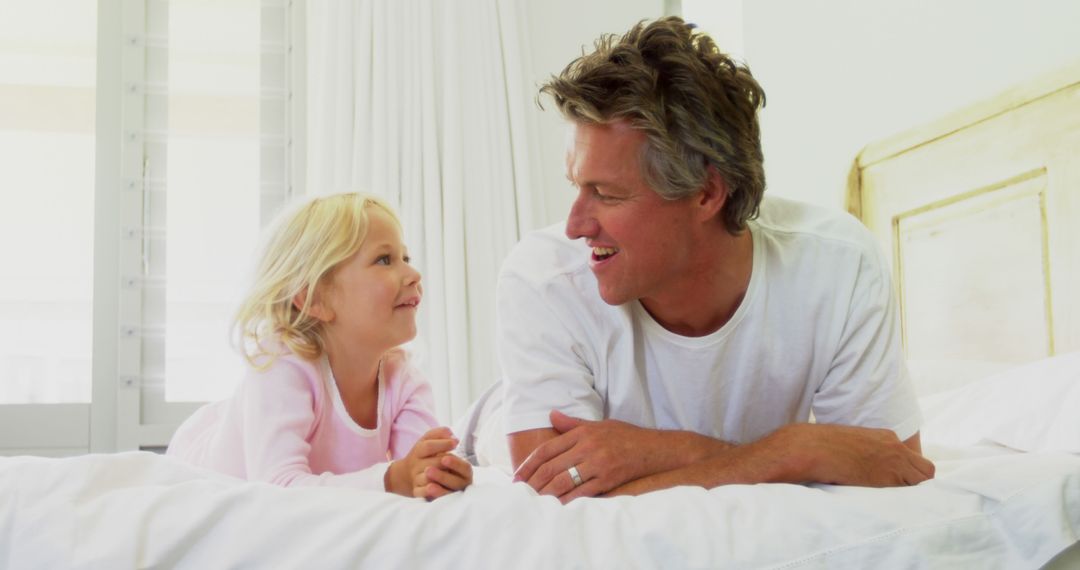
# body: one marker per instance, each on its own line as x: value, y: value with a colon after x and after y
x: 47, y: 92
x: 213, y: 180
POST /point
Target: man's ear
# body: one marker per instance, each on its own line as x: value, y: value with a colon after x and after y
x: 713, y: 196
x: 318, y: 309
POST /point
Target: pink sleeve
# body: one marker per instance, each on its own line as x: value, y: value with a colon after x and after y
x: 279, y: 419
x: 414, y: 414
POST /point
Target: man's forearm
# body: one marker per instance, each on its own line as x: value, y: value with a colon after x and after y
x: 748, y: 464
x: 801, y: 453
x: 680, y: 449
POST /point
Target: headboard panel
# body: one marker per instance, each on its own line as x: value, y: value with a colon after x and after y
x: 981, y: 214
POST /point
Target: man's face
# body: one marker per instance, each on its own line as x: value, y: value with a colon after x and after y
x: 641, y: 243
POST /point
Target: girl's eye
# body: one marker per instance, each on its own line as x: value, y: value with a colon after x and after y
x: 383, y: 260
x: 407, y: 259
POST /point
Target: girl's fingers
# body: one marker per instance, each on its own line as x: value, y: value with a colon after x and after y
x: 431, y: 491
x: 447, y: 479
x: 430, y: 447
x: 441, y: 432
x: 456, y: 465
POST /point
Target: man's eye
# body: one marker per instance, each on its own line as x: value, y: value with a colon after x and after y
x: 383, y: 260
x: 605, y: 197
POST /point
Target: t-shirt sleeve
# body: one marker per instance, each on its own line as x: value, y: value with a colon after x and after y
x: 543, y: 363
x: 278, y: 421
x: 867, y: 383
x: 415, y: 413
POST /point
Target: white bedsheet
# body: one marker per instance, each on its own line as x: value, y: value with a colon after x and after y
x: 986, y: 509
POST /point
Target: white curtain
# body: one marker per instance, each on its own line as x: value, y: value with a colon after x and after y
x: 422, y: 102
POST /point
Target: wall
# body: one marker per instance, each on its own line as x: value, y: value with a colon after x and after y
x: 558, y: 30
x: 841, y: 73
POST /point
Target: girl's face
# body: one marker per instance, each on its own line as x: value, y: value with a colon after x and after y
x: 373, y: 295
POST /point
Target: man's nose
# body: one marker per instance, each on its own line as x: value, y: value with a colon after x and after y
x: 580, y: 223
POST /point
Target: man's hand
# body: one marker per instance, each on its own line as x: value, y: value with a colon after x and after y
x: 606, y: 454
x: 429, y: 470
x: 846, y: 455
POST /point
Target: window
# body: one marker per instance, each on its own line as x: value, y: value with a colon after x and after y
x: 47, y: 96
x: 206, y: 124
x: 143, y: 143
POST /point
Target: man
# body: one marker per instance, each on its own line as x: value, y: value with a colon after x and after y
x: 683, y: 331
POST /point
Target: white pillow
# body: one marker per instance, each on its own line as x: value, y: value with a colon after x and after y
x: 1034, y: 407
x: 931, y: 376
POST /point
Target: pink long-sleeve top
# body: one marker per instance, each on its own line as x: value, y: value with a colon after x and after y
x: 287, y: 425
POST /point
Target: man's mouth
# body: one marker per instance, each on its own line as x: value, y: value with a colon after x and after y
x: 602, y: 253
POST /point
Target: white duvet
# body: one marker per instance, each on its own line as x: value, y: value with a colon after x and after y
x: 987, y: 508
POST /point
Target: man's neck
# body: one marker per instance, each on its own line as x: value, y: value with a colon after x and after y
x: 706, y: 296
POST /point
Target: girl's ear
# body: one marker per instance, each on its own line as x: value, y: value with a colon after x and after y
x: 318, y: 309
x: 713, y: 196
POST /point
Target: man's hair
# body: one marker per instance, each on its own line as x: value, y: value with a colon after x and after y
x: 696, y: 106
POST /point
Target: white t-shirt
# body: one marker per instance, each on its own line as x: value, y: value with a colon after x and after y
x: 817, y: 331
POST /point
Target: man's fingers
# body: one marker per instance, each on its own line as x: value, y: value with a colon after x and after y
x: 590, y: 488
x: 562, y: 422
x: 925, y: 466
x: 919, y: 470
x: 556, y: 471
x: 562, y: 482
x: 542, y: 455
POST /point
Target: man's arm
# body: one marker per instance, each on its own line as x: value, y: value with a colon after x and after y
x: 523, y: 443
x: 803, y: 453
x: 606, y: 453
x: 614, y: 458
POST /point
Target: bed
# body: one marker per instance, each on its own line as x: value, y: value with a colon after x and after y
x: 975, y: 211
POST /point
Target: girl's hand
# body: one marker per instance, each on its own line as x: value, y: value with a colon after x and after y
x: 452, y: 473
x: 403, y: 474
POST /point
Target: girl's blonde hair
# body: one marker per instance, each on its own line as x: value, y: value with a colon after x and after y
x: 304, y: 247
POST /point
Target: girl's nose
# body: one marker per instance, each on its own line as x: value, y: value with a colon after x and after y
x: 412, y: 275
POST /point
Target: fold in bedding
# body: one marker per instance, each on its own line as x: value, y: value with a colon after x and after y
x: 991, y: 509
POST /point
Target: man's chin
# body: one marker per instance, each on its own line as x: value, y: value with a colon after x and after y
x: 614, y: 298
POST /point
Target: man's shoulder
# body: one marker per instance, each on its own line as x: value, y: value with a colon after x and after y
x: 797, y: 222
x: 546, y: 255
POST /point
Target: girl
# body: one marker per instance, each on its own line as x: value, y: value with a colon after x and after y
x: 329, y: 397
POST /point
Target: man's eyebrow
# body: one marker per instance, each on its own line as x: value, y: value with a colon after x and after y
x: 603, y: 183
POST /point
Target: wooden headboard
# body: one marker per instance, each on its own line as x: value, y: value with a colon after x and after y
x: 981, y: 214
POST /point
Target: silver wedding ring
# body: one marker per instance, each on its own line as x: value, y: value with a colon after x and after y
x: 574, y: 475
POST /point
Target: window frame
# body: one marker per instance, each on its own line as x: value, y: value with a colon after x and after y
x: 122, y: 414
